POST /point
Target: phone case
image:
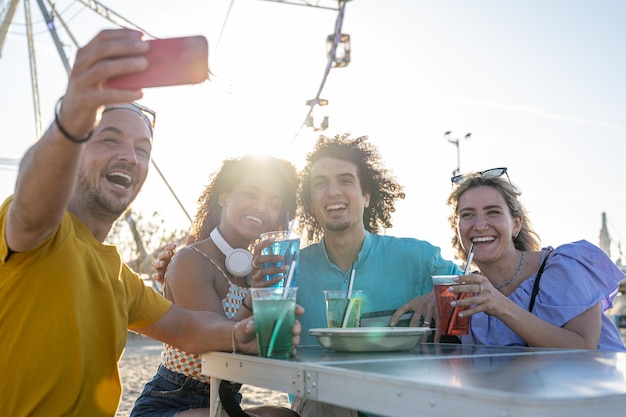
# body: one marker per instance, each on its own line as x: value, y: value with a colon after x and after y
x: 172, y: 61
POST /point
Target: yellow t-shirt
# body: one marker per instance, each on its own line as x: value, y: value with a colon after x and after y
x: 65, y: 308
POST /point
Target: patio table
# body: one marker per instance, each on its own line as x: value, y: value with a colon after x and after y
x: 437, y: 380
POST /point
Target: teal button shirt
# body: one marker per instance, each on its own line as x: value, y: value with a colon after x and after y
x: 390, y: 271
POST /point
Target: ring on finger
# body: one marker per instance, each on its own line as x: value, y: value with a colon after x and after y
x: 480, y: 287
x: 254, y: 265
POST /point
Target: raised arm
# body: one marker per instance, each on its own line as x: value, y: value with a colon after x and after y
x: 48, y: 170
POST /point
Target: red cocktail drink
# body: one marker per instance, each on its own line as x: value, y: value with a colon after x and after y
x: 448, y: 320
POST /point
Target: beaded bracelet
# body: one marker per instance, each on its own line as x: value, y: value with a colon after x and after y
x: 233, y: 339
x: 62, y: 129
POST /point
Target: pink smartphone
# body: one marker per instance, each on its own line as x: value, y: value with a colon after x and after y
x: 172, y: 61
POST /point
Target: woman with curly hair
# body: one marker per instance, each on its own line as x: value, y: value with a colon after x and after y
x: 246, y: 197
x: 346, y: 198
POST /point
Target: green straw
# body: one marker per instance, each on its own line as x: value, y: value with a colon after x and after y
x: 283, y: 313
x: 346, y: 314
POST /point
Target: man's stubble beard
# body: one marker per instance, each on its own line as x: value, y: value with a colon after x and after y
x: 336, y: 227
x: 98, y: 205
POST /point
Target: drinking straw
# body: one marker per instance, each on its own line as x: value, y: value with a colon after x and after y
x: 275, y: 328
x: 290, y: 224
x: 455, y: 311
x: 470, y: 257
x: 346, y: 313
x: 292, y: 267
x: 453, y: 317
x: 281, y: 317
x: 351, y: 279
x: 289, y: 228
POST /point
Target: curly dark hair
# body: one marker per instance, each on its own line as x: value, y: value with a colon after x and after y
x: 226, y: 179
x: 375, y: 180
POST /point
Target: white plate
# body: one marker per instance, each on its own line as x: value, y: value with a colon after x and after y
x: 370, y: 339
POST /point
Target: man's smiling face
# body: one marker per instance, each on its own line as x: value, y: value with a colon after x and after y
x: 114, y: 164
x: 337, y: 200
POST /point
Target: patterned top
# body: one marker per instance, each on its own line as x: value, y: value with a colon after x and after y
x: 188, y: 364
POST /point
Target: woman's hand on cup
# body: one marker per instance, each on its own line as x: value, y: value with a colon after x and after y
x: 485, y: 297
x: 259, y: 269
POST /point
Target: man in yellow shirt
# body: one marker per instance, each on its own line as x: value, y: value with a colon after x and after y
x: 66, y: 299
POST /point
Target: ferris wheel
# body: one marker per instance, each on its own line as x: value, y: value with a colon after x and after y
x: 8, y: 9
x: 338, y: 48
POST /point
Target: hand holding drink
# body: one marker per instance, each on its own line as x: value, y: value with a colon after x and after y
x: 274, y: 317
x: 286, y: 246
x: 448, y: 320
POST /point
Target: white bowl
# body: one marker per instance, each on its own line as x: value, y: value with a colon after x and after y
x: 370, y: 339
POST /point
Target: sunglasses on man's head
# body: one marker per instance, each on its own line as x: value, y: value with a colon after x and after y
x: 148, y: 114
x: 488, y: 173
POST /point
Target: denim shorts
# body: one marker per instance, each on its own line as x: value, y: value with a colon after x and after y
x: 169, y: 393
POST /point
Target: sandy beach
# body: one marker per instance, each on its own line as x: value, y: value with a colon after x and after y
x: 140, y: 361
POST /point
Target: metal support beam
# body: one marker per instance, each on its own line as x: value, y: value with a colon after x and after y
x: 55, y: 36
x: 6, y: 22
x: 113, y: 17
x: 33, y: 69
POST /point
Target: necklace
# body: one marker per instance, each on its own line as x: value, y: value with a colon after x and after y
x: 519, y: 269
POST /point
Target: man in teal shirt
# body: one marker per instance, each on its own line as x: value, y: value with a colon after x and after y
x: 347, y: 196
x: 391, y: 272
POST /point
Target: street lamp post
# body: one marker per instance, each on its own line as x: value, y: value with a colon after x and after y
x: 456, y: 143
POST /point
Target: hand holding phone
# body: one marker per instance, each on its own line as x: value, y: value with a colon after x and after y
x: 172, y: 61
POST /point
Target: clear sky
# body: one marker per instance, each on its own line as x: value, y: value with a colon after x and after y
x: 539, y: 84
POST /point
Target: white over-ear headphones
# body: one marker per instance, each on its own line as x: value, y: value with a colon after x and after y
x: 238, y: 261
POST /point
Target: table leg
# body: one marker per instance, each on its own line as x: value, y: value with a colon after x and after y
x: 214, y: 397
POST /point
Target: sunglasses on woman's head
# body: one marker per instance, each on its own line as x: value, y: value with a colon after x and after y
x: 488, y: 173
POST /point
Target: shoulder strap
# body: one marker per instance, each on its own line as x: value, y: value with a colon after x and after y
x: 536, y: 286
x: 212, y: 262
